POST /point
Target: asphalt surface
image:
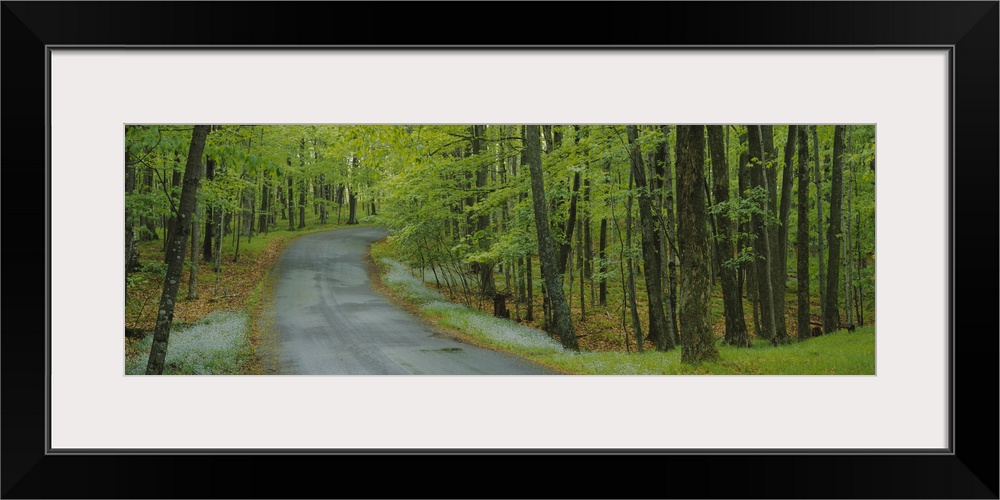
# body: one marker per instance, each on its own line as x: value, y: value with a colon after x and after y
x: 329, y: 321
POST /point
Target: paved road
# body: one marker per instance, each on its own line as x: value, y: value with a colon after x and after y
x: 328, y: 320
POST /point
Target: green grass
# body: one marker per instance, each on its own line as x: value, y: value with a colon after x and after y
x: 838, y: 353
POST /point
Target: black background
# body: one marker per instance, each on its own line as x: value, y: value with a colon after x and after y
x: 971, y: 472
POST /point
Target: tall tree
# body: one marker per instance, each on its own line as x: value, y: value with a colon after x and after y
x: 802, y: 240
x: 193, y: 277
x: 778, y: 270
x: 736, y: 326
x: 302, y: 184
x: 670, y: 229
x: 818, y: 179
x: 762, y: 238
x: 697, y: 342
x: 562, y: 322
x: 175, y: 254
x: 658, y: 329
x: 831, y: 314
x: 486, y: 286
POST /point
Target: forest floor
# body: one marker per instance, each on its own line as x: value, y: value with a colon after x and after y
x: 605, y: 332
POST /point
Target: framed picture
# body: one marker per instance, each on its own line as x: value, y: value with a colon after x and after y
x: 923, y: 73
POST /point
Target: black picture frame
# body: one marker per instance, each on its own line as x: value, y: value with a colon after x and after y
x: 968, y: 470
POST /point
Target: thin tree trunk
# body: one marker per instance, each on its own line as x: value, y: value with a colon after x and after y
x: 175, y: 182
x: 580, y: 265
x: 762, y: 247
x: 779, y: 270
x: 291, y: 201
x: 748, y: 269
x: 175, y: 263
x: 658, y: 329
x: 802, y: 240
x: 195, y: 221
x: 669, y: 190
x: 736, y: 327
x: 206, y: 251
x: 630, y: 291
x: 217, y: 266
x: 602, y: 263
x: 264, y: 216
x: 831, y: 314
x: 588, y: 240
x: 530, y: 313
x: 849, y: 233
x: 819, y: 217
x: 570, y: 223
x: 487, y: 287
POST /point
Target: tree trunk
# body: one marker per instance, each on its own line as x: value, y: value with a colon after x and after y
x: 530, y: 313
x: 588, y: 240
x: 487, y: 287
x: 175, y: 263
x: 819, y: 216
x: 630, y: 290
x: 748, y: 269
x: 658, y: 329
x: 669, y: 190
x: 265, y: 209
x: 602, y: 267
x: 831, y: 314
x: 779, y: 269
x: 175, y: 182
x: 195, y: 221
x: 302, y: 184
x: 352, y: 203
x: 802, y: 241
x: 562, y: 325
x: 207, y: 247
x: 322, y: 198
x: 736, y: 326
x: 849, y: 235
x: 149, y: 234
x: 697, y: 341
x: 580, y: 265
x: 291, y: 201
x: 302, y: 203
x: 762, y: 247
x: 570, y: 223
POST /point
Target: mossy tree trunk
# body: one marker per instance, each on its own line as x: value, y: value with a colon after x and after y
x: 562, y: 323
x: 697, y: 341
x: 175, y: 251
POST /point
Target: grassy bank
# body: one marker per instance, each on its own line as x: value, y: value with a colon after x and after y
x: 838, y: 353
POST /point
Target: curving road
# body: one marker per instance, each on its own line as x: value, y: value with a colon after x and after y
x: 327, y: 320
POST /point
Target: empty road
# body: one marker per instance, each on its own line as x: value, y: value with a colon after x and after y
x: 327, y: 320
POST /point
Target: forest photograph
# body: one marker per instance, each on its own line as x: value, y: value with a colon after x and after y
x: 499, y: 249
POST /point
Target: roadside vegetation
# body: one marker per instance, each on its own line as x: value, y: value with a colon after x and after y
x: 838, y: 353
x: 218, y: 332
